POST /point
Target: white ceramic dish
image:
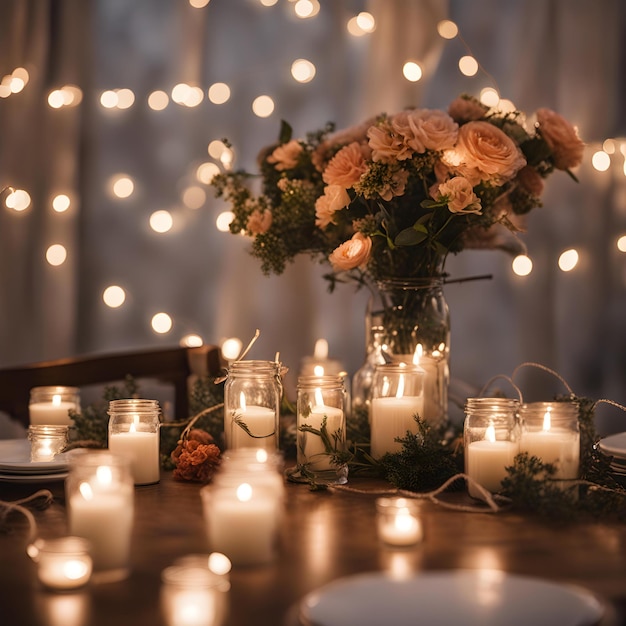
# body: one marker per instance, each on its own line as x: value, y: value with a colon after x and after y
x: 468, y: 597
x: 15, y: 459
x: 32, y: 478
x: 614, y: 445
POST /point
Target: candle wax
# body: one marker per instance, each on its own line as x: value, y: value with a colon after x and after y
x: 560, y: 448
x: 142, y: 450
x: 47, y: 413
x: 391, y: 418
x: 485, y: 462
x: 261, y: 422
x: 314, y: 451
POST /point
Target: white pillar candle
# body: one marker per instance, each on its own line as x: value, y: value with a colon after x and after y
x: 397, y: 521
x: 562, y: 449
x: 242, y: 522
x: 142, y: 450
x: 391, y: 418
x: 486, y: 463
x: 314, y: 452
x: 260, y: 421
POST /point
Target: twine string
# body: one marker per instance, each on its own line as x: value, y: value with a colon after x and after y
x: 545, y: 369
x: 40, y: 499
x: 503, y: 377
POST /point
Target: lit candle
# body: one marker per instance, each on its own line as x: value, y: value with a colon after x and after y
x: 486, y: 462
x: 62, y: 563
x: 393, y: 416
x: 313, y: 451
x: 260, y: 421
x: 319, y: 364
x: 242, y: 521
x: 46, y: 442
x: 100, y: 509
x: 397, y: 521
x: 557, y: 446
x: 51, y: 405
x: 141, y: 448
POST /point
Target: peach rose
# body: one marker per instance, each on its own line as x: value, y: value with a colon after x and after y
x: 334, y: 199
x: 386, y: 144
x: 426, y: 129
x: 286, y: 156
x: 358, y: 133
x: 562, y: 138
x: 352, y: 253
x: 484, y: 152
x: 460, y: 196
x: 466, y: 110
x: 530, y: 180
x: 259, y: 221
x: 346, y: 167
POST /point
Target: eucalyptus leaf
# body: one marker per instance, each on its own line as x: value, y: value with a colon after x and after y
x: 410, y: 237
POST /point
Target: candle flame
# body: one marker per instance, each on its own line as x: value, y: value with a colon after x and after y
x: 242, y: 401
x: 547, y: 425
x: 385, y: 388
x: 74, y: 569
x: 490, y: 433
x: 244, y: 492
x: 321, y: 349
x: 104, y: 475
x: 400, y: 390
x: 133, y: 424
x: 417, y: 355
x: 261, y: 455
x: 318, y: 370
x: 219, y: 563
x: 404, y: 520
x: 319, y: 398
x: 56, y: 399
x: 86, y: 491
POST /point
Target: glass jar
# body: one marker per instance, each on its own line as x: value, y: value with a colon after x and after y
x: 46, y: 442
x: 192, y: 596
x: 51, y: 405
x: 415, y: 319
x: 397, y: 398
x: 63, y: 563
x: 243, y: 512
x: 398, y: 521
x: 550, y: 431
x: 99, y: 493
x: 134, y: 426
x: 321, y: 427
x: 491, y: 438
x: 252, y: 395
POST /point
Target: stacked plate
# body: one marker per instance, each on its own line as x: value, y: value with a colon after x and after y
x: 615, y: 446
x: 16, y: 466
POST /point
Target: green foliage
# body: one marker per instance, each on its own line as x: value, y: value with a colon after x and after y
x: 428, y: 458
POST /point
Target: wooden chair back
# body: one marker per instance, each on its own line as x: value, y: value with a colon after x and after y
x: 169, y: 365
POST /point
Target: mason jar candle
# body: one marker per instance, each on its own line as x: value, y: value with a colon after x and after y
x: 52, y: 405
x: 397, y: 398
x: 46, y: 442
x: 134, y: 426
x: 550, y: 432
x: 252, y: 405
x: 99, y: 493
x: 491, y: 438
x: 321, y: 425
x: 398, y: 521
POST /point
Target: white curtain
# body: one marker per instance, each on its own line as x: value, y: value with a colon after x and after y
x: 567, y: 55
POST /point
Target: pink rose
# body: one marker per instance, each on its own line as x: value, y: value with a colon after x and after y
x: 484, y: 152
x: 466, y: 110
x: 353, y: 253
x: 286, y: 155
x: 530, y: 180
x: 387, y: 146
x: 562, y: 138
x: 459, y: 195
x: 334, y: 199
x: 347, y: 166
x: 426, y: 129
x: 259, y: 221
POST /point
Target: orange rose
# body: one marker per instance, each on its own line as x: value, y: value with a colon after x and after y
x: 347, y: 166
x: 562, y: 138
x: 353, y: 253
x: 460, y: 196
x: 285, y: 157
x: 334, y: 199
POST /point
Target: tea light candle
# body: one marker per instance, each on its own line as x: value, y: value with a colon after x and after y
x: 191, y: 596
x: 392, y: 418
x: 100, y: 509
x: 397, y: 521
x: 259, y: 420
x: 62, y: 563
x: 487, y: 460
x: 242, y: 521
x: 51, y: 405
x: 46, y: 442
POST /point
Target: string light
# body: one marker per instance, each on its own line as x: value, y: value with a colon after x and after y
x: 231, y: 348
x: 56, y: 254
x: 61, y: 203
x: 568, y: 260
x: 191, y: 341
x: 412, y: 71
x: 18, y: 200
x: 121, y: 186
x: 114, y: 296
x: 158, y: 100
x: 621, y: 243
x: 206, y: 172
x: 468, y: 65
x: 522, y: 265
x: 447, y: 29
x: 601, y: 161
x: 223, y: 221
x: 219, y: 93
x: 194, y: 197
x: 161, y: 323
x: 161, y: 221
x: 302, y: 70
x: 263, y: 106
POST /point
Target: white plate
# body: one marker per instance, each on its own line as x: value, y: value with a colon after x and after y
x: 32, y: 478
x: 467, y: 597
x: 15, y: 459
x: 614, y: 445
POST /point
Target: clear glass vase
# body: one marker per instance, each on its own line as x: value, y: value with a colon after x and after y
x: 414, y: 327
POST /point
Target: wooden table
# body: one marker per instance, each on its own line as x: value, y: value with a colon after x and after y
x: 325, y: 536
